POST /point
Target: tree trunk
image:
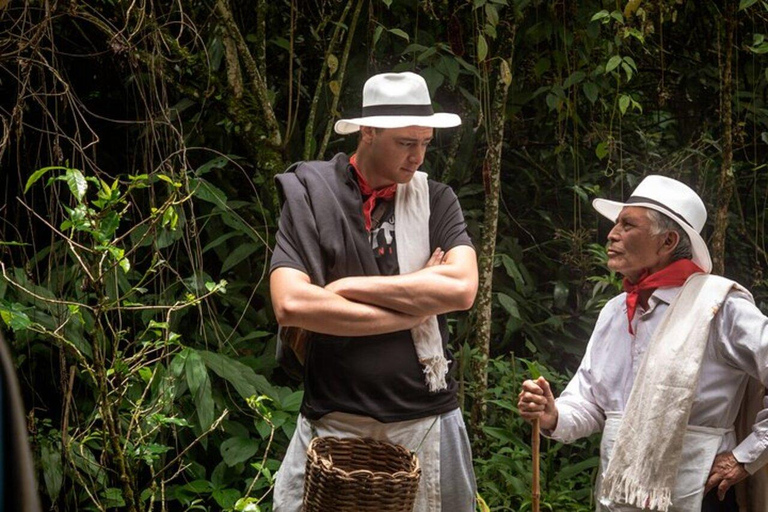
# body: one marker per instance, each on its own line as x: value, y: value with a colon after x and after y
x: 726, y: 171
x: 492, y: 183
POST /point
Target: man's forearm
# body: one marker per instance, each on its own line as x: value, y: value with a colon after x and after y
x: 432, y: 290
x: 300, y: 304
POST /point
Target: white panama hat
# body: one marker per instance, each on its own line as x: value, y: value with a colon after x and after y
x: 396, y: 100
x: 675, y: 200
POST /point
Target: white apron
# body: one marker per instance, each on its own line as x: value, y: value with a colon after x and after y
x: 700, y: 446
x: 419, y: 435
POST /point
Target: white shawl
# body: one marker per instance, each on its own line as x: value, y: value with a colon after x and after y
x: 413, y: 252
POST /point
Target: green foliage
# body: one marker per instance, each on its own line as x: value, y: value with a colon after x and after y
x: 503, y: 457
x: 134, y: 259
x: 155, y: 399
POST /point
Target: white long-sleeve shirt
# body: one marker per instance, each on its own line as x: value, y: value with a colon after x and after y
x: 737, y: 349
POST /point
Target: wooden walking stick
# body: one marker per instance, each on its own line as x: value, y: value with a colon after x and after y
x: 535, y: 439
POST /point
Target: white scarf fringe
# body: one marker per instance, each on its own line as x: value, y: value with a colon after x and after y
x: 630, y: 491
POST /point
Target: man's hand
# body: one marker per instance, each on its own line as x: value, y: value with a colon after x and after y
x: 725, y: 472
x: 437, y: 258
x: 536, y: 401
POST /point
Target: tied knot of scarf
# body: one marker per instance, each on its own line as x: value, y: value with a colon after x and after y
x: 369, y: 194
x: 674, y: 274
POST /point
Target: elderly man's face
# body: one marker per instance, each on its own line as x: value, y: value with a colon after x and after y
x: 632, y: 248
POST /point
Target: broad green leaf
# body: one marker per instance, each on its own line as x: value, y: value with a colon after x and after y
x: 77, y: 183
x: 216, y: 163
x: 388, y: 3
x: 14, y: 316
x: 427, y: 54
x: 169, y: 180
x: 245, y: 381
x: 199, y: 486
x: 600, y: 15
x: 218, y: 241
x: 226, y: 498
x: 509, y: 304
x: 542, y: 66
x: 744, y: 4
x: 240, y: 253
x: 292, y: 402
x: 40, y: 173
x: 590, y: 91
x: 113, y: 497
x: 513, y: 271
x: 492, y: 14
x: 253, y: 335
x: 208, y: 192
x: 613, y: 63
x: 482, y: 48
x: 53, y: 473
x: 533, y: 369
x: 238, y: 449
x: 572, y: 470
x: 252, y: 504
x: 575, y: 78
x: 553, y: 101
x: 601, y: 150
x: 628, y: 70
x: 399, y: 33
x: 624, y: 103
x: 502, y: 434
x: 200, y: 386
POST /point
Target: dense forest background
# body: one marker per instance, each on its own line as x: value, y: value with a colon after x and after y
x: 138, y: 144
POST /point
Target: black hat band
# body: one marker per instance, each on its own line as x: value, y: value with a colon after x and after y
x: 641, y: 199
x: 398, y: 110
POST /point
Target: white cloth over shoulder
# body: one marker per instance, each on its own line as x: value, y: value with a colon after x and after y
x: 413, y: 251
x: 737, y: 350
x: 644, y: 464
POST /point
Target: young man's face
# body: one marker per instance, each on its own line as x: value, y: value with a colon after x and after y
x: 393, y: 155
x: 632, y: 247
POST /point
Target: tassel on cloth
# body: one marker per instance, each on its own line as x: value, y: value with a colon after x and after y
x: 628, y: 491
x: 435, y: 370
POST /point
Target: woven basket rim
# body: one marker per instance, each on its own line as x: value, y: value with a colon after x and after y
x: 316, y: 458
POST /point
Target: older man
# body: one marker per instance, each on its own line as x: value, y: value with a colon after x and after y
x: 370, y: 255
x: 666, y: 367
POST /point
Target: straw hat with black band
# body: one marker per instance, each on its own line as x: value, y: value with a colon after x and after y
x: 675, y: 200
x: 396, y: 100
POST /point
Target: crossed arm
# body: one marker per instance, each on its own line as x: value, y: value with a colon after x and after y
x: 360, y: 306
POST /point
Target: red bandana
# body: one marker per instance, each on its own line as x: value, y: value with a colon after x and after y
x: 674, y: 274
x: 369, y: 204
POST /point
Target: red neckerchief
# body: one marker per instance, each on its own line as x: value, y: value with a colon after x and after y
x: 674, y: 274
x: 369, y: 204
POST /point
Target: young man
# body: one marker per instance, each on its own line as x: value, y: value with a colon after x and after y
x: 370, y: 255
x: 666, y: 367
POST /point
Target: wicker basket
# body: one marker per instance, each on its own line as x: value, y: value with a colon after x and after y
x: 359, y: 475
